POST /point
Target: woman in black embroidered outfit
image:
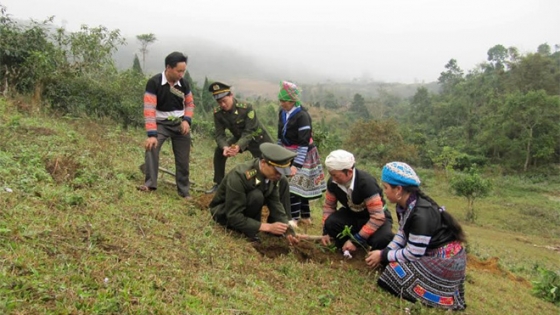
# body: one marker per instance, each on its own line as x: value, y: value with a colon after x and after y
x: 295, y: 133
x: 425, y: 260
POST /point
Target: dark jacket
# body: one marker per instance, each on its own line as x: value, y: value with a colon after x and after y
x: 229, y: 203
x: 365, y: 186
x: 426, y: 219
x: 243, y: 124
x: 297, y: 132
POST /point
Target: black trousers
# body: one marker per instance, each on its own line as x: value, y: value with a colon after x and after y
x: 336, y: 222
x: 181, y: 145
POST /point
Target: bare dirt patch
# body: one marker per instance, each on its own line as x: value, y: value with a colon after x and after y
x: 492, y: 265
x: 309, y: 252
x: 62, y: 169
x: 36, y: 131
x: 203, y: 201
x: 312, y: 251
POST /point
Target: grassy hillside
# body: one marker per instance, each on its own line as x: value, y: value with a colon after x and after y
x: 76, y: 237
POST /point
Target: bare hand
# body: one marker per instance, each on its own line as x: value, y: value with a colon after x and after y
x: 294, y: 170
x: 326, y: 240
x: 150, y: 143
x: 373, y: 258
x: 293, y: 240
x: 349, y: 246
x: 225, y: 151
x: 185, y: 127
x: 276, y: 228
x: 233, y: 150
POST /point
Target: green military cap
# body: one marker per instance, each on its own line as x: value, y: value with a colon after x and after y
x: 219, y: 90
x: 277, y: 156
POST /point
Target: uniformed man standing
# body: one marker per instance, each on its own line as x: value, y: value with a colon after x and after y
x: 240, y: 119
x: 248, y: 187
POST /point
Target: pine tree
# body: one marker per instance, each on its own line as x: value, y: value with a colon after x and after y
x: 208, y: 101
x: 136, y: 65
x: 359, y: 106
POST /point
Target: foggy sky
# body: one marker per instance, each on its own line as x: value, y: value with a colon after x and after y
x: 393, y: 41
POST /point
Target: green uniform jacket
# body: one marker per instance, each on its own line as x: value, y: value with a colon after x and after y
x: 229, y: 203
x: 242, y: 122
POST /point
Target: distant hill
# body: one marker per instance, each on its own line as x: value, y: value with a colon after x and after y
x: 208, y: 59
x: 252, y: 76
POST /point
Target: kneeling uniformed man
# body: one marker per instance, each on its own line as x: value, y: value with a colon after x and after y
x: 248, y: 187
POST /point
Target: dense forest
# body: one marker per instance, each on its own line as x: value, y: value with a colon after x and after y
x: 504, y: 113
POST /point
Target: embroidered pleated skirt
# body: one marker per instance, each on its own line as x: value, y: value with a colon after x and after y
x: 309, y: 182
x: 436, y: 279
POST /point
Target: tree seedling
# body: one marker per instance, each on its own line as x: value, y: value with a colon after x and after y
x: 347, y: 232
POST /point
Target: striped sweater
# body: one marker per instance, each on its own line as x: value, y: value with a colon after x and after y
x: 364, y: 194
x: 421, y: 228
x: 163, y: 102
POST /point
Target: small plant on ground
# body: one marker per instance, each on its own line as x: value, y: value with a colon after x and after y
x: 347, y: 232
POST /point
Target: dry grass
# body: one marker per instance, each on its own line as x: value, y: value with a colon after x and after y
x: 76, y: 237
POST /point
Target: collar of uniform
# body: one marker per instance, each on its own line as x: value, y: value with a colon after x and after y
x: 164, y: 79
x: 233, y: 109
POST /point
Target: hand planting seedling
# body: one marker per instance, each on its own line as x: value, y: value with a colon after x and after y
x: 347, y: 232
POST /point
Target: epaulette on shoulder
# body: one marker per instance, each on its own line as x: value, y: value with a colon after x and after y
x: 251, y: 173
x: 241, y: 105
x: 217, y: 109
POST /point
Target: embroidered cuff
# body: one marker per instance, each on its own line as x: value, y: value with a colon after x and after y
x: 360, y: 239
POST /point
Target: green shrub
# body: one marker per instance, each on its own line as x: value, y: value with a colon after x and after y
x: 471, y: 186
x: 547, y: 287
x: 381, y: 142
x: 326, y: 140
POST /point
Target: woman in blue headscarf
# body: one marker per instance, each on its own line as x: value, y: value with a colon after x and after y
x: 425, y: 260
x: 295, y: 133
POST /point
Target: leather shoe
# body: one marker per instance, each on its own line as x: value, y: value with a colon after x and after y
x: 254, y: 239
x: 212, y: 190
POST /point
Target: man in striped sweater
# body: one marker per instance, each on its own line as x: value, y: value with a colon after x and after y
x: 362, y: 206
x: 168, y: 112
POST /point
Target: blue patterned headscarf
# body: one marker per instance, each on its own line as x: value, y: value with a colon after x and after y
x: 289, y: 92
x: 399, y: 174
